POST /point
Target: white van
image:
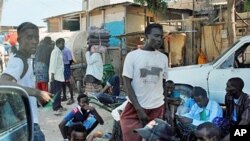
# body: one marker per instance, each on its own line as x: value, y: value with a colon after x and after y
x: 234, y: 62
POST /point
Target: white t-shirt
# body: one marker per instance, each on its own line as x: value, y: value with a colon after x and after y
x: 147, y: 69
x: 94, y: 65
x: 15, y: 69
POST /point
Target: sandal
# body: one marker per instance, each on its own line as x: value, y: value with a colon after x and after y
x: 71, y: 101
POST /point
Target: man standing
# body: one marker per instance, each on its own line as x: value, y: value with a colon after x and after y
x: 144, y: 72
x: 67, y: 60
x: 56, y: 73
x: 42, y: 59
x: 19, y: 69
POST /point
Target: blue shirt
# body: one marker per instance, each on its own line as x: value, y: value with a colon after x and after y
x: 189, y: 102
x: 175, y: 94
x: 67, y: 55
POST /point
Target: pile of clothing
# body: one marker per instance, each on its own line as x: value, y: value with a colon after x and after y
x: 98, y: 36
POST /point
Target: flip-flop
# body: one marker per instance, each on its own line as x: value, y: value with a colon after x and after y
x: 107, y: 136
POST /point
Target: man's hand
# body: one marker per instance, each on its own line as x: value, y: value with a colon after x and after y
x: 87, y: 107
x: 184, y: 120
x: 44, y: 97
x: 142, y: 116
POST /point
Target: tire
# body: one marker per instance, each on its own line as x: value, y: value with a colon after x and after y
x: 79, y: 86
x: 185, y: 91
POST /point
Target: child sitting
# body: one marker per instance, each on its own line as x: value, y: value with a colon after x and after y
x: 81, y: 120
x: 172, y: 97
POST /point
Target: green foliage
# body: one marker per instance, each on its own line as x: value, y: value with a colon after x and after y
x: 247, y: 5
x: 154, y: 5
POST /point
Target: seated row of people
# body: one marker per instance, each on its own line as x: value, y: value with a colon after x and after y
x: 198, y: 118
x: 203, y: 109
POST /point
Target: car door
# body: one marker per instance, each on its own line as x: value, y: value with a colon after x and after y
x: 15, y: 115
x: 236, y: 65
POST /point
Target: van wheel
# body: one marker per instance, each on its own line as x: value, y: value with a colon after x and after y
x: 79, y: 86
x: 185, y: 91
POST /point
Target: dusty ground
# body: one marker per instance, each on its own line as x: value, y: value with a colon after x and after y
x: 49, y: 122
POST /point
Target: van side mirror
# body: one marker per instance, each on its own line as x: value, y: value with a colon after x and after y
x: 16, y: 123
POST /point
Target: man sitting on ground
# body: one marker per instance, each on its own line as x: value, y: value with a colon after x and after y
x: 203, y: 110
x: 82, y: 119
x: 237, y: 103
x: 111, y: 90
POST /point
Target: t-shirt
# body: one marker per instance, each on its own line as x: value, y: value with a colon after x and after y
x: 147, y: 69
x: 175, y: 94
x: 94, y: 65
x: 189, y: 102
x: 76, y: 115
x: 15, y: 69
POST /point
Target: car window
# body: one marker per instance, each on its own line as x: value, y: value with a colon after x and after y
x: 11, y: 113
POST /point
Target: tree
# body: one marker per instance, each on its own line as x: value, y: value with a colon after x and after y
x: 247, y: 5
x: 231, y: 21
x: 154, y: 5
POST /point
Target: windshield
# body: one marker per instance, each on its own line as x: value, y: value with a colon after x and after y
x: 218, y: 58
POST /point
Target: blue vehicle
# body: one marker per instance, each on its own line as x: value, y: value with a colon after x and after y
x: 15, y: 115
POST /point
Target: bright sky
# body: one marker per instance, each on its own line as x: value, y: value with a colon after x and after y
x: 17, y: 11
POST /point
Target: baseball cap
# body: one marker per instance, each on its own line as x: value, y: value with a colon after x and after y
x: 156, y: 129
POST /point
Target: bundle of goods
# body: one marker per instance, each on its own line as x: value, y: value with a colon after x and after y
x: 98, y: 36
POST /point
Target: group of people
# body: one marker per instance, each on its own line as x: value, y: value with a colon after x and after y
x: 153, y: 110
x: 145, y: 75
x: 34, y: 65
x: 51, y: 63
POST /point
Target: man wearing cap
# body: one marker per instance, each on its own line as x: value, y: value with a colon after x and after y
x: 144, y: 72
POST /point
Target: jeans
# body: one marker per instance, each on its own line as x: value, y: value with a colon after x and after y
x: 106, y: 98
x: 38, y: 134
x: 114, y: 81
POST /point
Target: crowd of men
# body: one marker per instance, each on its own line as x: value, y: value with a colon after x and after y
x: 153, y: 110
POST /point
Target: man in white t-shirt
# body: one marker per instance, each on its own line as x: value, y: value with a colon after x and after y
x: 144, y: 72
x: 19, y: 70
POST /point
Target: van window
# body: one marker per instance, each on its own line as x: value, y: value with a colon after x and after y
x: 242, y: 57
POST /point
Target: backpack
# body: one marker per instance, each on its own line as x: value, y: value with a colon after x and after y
x: 25, y: 63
